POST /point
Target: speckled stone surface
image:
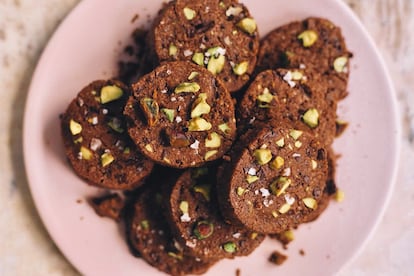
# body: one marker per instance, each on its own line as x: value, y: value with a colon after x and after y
x: 25, y: 246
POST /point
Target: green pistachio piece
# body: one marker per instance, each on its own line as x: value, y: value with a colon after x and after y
x: 281, y: 142
x: 210, y: 154
x: 248, y: 25
x: 169, y: 113
x: 78, y: 140
x: 296, y: 75
x: 198, y: 58
x: 199, y: 124
x: 277, y: 163
x: 308, y: 38
x: 177, y: 256
x: 265, y: 97
x: 314, y: 164
x: 339, y: 196
x: 184, y: 207
x: 340, y: 64
x: 204, y: 190
x: 187, y: 87
x: 86, y: 153
x: 311, y: 117
x: 149, y: 148
x: 127, y: 150
x: 75, y: 127
x: 295, y: 134
x: 288, y: 236
x: 203, y: 229
x: 116, y: 125
x: 150, y: 109
x: 263, y: 156
x: 193, y: 75
x: 241, y: 68
x: 280, y: 185
x: 200, y: 106
x: 106, y: 159
x: 230, y: 247
x: 310, y: 203
x: 172, y: 50
x: 284, y: 208
x: 189, y: 13
x: 213, y: 141
x: 251, y: 178
x: 216, y: 64
x: 240, y: 191
x: 199, y: 172
x: 145, y: 224
x: 110, y: 93
x: 224, y: 127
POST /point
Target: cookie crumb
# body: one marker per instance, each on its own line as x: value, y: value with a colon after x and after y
x: 302, y: 252
x: 110, y: 206
x: 238, y: 272
x: 277, y: 258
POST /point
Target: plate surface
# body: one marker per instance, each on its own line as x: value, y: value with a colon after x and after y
x: 87, y: 46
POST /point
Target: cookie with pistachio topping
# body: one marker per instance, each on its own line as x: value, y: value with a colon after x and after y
x: 181, y: 116
x: 275, y: 182
x: 96, y: 140
x: 297, y: 96
x: 197, y: 222
x: 218, y: 35
x: 149, y: 234
x: 313, y: 43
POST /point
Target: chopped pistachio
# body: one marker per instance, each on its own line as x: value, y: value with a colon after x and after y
x: 127, y: 150
x: 110, y: 93
x: 224, y: 127
x: 310, y: 203
x: 193, y: 75
x: 149, y: 148
x: 169, y: 113
x: 297, y: 75
x: 275, y: 214
x: 184, y: 207
x: 308, y: 37
x: 230, y: 247
x: 172, y: 50
x: 115, y: 124
x: 339, y: 196
x: 295, y: 134
x: 198, y: 58
x: 175, y: 256
x: 189, y: 13
x: 106, y: 159
x: 145, y: 224
x: 284, y: 208
x: 298, y: 144
x: 203, y: 189
x: 188, y: 87
x: 78, y: 140
x: 198, y: 172
x: 203, y: 229
x: 200, y: 106
x: 214, y: 141
x: 216, y: 64
x: 277, y: 163
x: 280, y: 185
x: 166, y: 160
x: 288, y: 235
x: 210, y: 154
x: 75, y: 127
x: 248, y: 25
x: 251, y: 178
x: 281, y: 142
x: 199, y: 124
x: 240, y: 191
x: 340, y: 64
x: 263, y: 156
x: 150, y: 109
x: 265, y: 97
x: 222, y: 5
x: 314, y: 164
x: 311, y: 117
x: 241, y: 68
x: 254, y: 235
x: 86, y: 153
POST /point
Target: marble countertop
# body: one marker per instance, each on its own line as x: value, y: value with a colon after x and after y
x: 25, y: 246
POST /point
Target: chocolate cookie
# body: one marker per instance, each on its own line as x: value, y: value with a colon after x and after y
x: 218, y: 35
x: 96, y: 140
x: 181, y: 116
x: 197, y: 222
x: 313, y: 43
x: 276, y: 182
x: 297, y: 96
x: 149, y: 234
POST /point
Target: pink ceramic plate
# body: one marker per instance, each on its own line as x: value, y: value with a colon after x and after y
x: 86, y: 47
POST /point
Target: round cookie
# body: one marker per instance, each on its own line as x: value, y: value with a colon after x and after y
x: 218, y: 35
x: 275, y: 182
x: 297, y: 96
x: 313, y: 43
x: 96, y: 140
x: 149, y: 234
x: 181, y: 116
x: 195, y: 218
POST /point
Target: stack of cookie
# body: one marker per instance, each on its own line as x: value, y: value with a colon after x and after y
x: 240, y: 132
